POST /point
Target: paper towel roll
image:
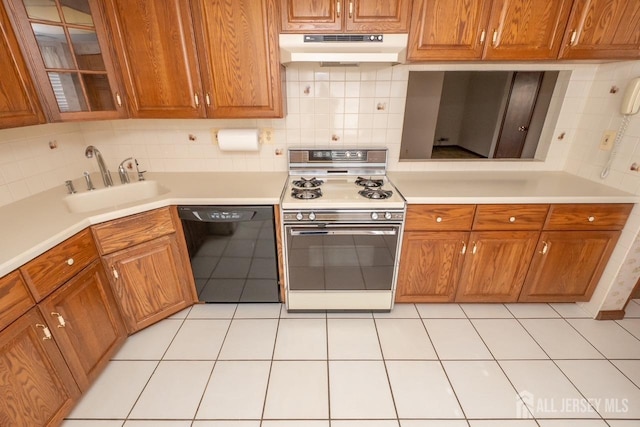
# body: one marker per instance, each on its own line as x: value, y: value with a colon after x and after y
x: 239, y: 139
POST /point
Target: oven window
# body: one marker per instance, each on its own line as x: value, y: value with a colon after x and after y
x: 344, y: 258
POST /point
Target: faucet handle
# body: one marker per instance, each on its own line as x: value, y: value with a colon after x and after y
x: 70, y: 187
x: 87, y: 178
x: 140, y: 173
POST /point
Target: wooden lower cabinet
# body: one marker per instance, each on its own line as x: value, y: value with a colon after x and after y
x: 431, y: 265
x: 36, y: 385
x: 567, y: 265
x: 495, y: 265
x: 85, y: 322
x: 150, y: 281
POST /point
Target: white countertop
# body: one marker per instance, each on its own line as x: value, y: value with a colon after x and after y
x: 504, y: 187
x: 33, y: 225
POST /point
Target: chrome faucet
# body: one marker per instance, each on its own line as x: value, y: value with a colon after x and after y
x: 124, y: 176
x: 106, y: 175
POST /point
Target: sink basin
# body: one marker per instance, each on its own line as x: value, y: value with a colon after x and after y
x: 113, y: 196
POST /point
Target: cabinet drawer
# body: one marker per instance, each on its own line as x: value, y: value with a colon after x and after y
x: 510, y: 217
x: 15, y: 298
x: 54, y: 267
x: 131, y: 230
x: 439, y: 217
x: 588, y: 216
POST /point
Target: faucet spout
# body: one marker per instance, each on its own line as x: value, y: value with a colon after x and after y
x: 106, y: 175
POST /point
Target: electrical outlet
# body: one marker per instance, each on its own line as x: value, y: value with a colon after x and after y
x: 606, y: 143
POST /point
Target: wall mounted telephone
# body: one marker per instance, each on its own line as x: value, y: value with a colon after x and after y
x: 630, y: 105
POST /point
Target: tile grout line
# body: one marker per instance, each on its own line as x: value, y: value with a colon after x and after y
x: 273, y: 352
x: 386, y: 371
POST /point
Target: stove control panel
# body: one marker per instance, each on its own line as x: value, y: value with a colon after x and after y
x: 346, y: 215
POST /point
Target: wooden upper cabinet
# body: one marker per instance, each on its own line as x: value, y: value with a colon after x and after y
x: 240, y: 62
x: 155, y: 46
x: 19, y: 104
x: 67, y: 47
x: 526, y: 29
x: 448, y: 29
x: 603, y: 29
x: 336, y: 16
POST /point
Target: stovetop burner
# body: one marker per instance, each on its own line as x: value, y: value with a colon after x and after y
x: 308, y: 183
x: 375, y: 193
x: 368, y: 182
x: 306, y: 193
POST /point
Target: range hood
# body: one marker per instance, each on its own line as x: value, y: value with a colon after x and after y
x: 343, y: 49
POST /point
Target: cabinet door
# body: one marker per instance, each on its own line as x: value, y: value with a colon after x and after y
x: 84, y: 319
x: 157, y: 53
x: 495, y: 265
x: 311, y: 16
x: 526, y: 29
x: 68, y: 49
x: 567, y: 265
x: 149, y: 282
x: 603, y: 29
x: 37, y: 387
x: 19, y: 104
x: 240, y: 58
x: 430, y: 266
x: 377, y: 16
x: 448, y: 29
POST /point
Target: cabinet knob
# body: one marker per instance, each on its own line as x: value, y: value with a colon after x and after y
x: 591, y: 218
x: 464, y: 248
x: 70, y: 261
x: 439, y: 219
x: 512, y: 219
x: 474, y: 249
x: 545, y: 248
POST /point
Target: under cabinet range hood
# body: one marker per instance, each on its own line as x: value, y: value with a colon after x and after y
x: 343, y: 49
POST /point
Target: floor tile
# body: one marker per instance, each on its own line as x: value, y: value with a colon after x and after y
x: 236, y: 390
x: 440, y: 311
x: 158, y: 423
x: 421, y: 390
x: 258, y: 310
x: 212, y: 311
x: 608, y: 337
x: 115, y: 391
x: 353, y: 339
x: 150, y: 343
x: 433, y: 423
x: 297, y: 423
x: 226, y: 424
x: 360, y: 389
x: 284, y: 314
x: 404, y: 339
x: 199, y: 339
x: 608, y: 391
x: 456, y: 339
x: 630, y: 368
x: 631, y: 325
x: 92, y: 423
x: 571, y: 310
x: 486, y: 311
x: 249, y: 339
x: 174, y: 390
x: 400, y: 311
x: 572, y: 423
x: 507, y: 339
x: 545, y: 390
x: 532, y: 310
x: 559, y: 339
x: 623, y: 423
x: 182, y: 314
x: 297, y: 390
x: 301, y: 339
x: 632, y: 309
x: 503, y: 423
x: 365, y: 423
x: 482, y: 389
x: 349, y: 315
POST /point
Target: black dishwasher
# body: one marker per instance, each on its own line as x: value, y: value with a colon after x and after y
x: 233, y: 252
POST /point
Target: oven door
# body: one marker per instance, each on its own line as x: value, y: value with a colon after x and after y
x: 336, y: 264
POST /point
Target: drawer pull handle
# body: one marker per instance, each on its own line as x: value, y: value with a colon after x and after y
x: 474, y: 249
x: 591, y: 218
x: 545, y: 248
x: 70, y: 261
x: 512, y: 219
x: 45, y: 331
x: 464, y: 248
x: 483, y: 36
x: 115, y: 273
x: 439, y: 219
x: 61, y: 321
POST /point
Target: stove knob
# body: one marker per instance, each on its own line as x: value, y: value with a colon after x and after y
x: 374, y: 215
x: 387, y: 215
x: 359, y: 154
x: 312, y: 216
x: 299, y: 216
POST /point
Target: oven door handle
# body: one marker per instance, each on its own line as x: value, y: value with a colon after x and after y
x: 345, y: 232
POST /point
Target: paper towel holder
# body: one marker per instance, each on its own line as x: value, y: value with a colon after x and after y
x: 265, y: 135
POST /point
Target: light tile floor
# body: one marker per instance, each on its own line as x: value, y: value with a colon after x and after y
x: 422, y: 365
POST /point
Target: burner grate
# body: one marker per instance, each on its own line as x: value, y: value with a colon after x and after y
x: 368, y: 182
x: 306, y: 193
x: 308, y: 183
x: 375, y: 193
